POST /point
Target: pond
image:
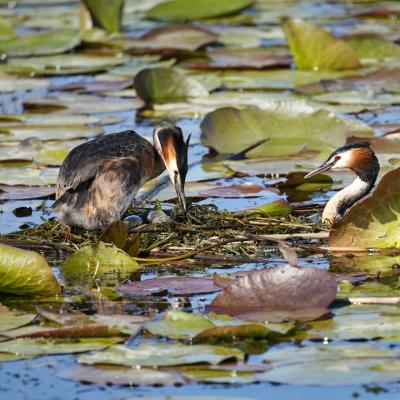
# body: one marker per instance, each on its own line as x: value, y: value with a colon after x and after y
x: 267, y: 89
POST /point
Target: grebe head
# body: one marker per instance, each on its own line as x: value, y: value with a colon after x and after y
x: 173, y: 149
x: 357, y: 157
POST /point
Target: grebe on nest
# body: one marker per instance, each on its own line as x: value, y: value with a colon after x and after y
x: 358, y: 158
x: 99, y: 179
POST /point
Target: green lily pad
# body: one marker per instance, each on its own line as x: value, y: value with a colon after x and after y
x: 273, y: 166
x: 28, y: 176
x: 359, y: 322
x: 234, y: 332
x: 183, y: 10
x: 64, y: 64
x: 126, y: 324
x: 214, y: 375
x: 106, y: 14
x: 174, y: 37
x: 6, y: 31
x: 80, y: 104
x: 99, y: 262
x: 12, y: 320
x: 40, y: 44
x: 51, y: 156
x: 178, y: 325
x: 371, y: 264
x: 131, y: 69
x: 158, y: 85
x: 25, y: 273
x: 368, y: 289
x: 162, y: 354
x: 9, y: 84
x: 295, y: 180
x: 11, y: 133
x: 315, y: 48
x: 27, y: 348
x: 277, y: 78
x: 54, y: 119
x: 362, y: 97
x: 374, y: 222
x: 373, y: 49
x: 249, y: 58
x: 289, y: 127
x: 278, y: 208
x: 330, y: 364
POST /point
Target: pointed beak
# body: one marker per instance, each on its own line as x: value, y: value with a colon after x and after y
x: 180, y: 191
x: 324, y: 167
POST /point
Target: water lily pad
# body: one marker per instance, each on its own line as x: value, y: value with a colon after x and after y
x: 55, y: 119
x: 137, y: 64
x: 330, y: 365
x: 81, y: 330
x: 126, y: 324
x: 295, y: 180
x: 28, y: 176
x: 11, y: 84
x: 249, y: 58
x: 277, y: 78
x: 273, y: 166
x: 121, y: 376
x: 162, y: 354
x: 12, y: 320
x: 182, y: 11
x: 51, y: 156
x: 63, y: 64
x: 25, y: 273
x: 40, y: 44
x: 6, y: 31
x: 286, y: 293
x: 315, y: 48
x: 97, y: 262
x: 373, y: 49
x: 367, y: 289
x: 220, y: 375
x: 174, y: 37
x: 27, y: 348
x: 105, y: 14
x: 10, y: 133
x: 373, y: 222
x: 177, y: 286
x: 278, y: 208
x: 237, y: 191
x: 363, y: 97
x: 178, y: 325
x: 235, y: 332
x: 289, y: 127
x: 80, y: 104
x: 359, y: 322
x: 371, y: 264
x: 158, y: 85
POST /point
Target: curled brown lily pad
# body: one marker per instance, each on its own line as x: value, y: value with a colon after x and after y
x: 278, y: 294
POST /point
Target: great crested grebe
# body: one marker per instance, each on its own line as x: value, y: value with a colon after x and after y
x: 360, y: 159
x: 99, y: 179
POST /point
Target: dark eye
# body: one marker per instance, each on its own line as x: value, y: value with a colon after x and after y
x: 337, y: 158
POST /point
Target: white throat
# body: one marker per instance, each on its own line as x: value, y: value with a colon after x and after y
x: 340, y: 203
